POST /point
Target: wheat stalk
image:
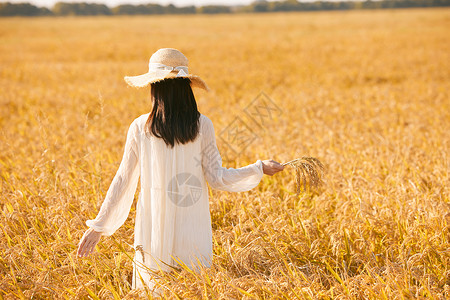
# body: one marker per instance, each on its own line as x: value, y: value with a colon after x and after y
x: 308, y: 172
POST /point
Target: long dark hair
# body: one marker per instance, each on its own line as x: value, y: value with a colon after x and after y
x: 174, y: 116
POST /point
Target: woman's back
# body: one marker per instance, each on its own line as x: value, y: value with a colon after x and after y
x: 172, y: 214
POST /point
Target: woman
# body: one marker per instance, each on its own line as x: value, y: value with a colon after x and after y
x: 173, y: 150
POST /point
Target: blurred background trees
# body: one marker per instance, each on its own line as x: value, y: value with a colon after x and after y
x: 261, y: 6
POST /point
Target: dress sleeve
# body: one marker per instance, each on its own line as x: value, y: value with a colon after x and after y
x: 116, y: 206
x: 232, y: 180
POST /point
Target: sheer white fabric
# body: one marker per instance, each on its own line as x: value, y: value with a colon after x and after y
x: 173, y: 223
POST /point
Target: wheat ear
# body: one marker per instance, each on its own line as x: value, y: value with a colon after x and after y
x: 308, y: 172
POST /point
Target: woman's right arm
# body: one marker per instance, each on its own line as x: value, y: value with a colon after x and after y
x: 232, y: 180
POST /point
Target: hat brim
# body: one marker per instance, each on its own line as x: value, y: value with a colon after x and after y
x: 144, y: 80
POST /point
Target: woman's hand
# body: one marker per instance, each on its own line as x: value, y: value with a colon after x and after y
x: 88, y: 242
x: 270, y: 167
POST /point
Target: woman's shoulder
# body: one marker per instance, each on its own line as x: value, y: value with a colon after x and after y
x: 205, y: 121
x: 141, y: 120
x: 137, y: 126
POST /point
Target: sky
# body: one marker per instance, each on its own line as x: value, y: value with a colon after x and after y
x: 112, y: 3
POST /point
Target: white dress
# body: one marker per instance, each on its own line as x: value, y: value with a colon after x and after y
x: 173, y: 221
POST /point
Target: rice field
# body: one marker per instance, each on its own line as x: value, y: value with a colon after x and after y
x: 365, y: 92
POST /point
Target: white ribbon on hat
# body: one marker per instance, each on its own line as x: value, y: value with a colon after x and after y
x: 162, y: 70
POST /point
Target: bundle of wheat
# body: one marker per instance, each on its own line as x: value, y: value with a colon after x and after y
x: 308, y: 172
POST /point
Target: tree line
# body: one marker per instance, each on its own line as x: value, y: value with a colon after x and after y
x: 261, y: 6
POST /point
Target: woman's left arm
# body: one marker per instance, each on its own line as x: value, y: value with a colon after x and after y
x: 119, y: 198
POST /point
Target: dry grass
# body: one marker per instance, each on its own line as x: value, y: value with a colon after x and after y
x: 366, y: 92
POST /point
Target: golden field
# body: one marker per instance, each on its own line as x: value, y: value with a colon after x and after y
x: 366, y: 92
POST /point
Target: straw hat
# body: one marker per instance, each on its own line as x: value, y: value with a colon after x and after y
x: 165, y: 63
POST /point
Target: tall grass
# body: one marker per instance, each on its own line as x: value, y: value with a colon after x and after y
x: 367, y: 93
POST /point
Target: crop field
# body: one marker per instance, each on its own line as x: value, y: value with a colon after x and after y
x: 365, y: 92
